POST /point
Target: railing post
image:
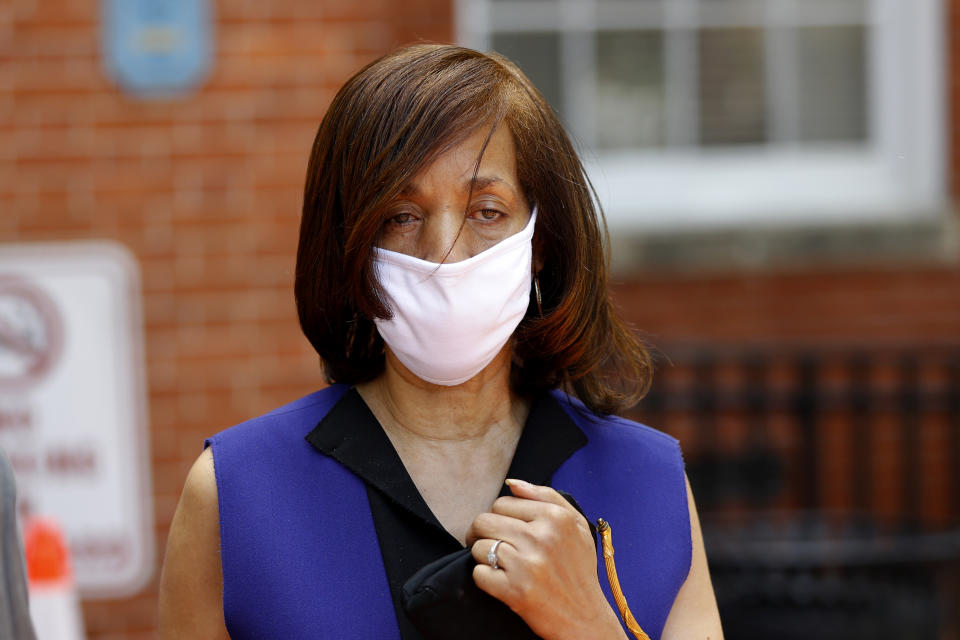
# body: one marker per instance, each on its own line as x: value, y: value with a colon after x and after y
x: 805, y: 410
x: 861, y: 467
x: 908, y: 406
x: 953, y: 422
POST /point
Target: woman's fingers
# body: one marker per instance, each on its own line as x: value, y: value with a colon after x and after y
x: 510, y: 587
x: 494, y: 526
x: 546, y: 562
x: 540, y: 504
x: 504, y: 552
x: 530, y: 503
x: 493, y: 581
x: 524, y: 509
x: 541, y: 493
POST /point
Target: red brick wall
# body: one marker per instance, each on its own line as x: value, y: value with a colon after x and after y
x: 849, y: 306
x: 204, y: 189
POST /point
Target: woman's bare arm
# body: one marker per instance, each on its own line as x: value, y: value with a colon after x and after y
x: 191, y: 583
x: 694, y: 615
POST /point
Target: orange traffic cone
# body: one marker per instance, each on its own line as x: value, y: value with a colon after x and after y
x: 54, y: 603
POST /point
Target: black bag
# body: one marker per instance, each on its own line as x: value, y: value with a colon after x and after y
x: 443, y: 602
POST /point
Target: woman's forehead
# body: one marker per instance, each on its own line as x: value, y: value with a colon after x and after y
x: 458, y: 165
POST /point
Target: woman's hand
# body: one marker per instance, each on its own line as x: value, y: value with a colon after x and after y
x: 547, y: 564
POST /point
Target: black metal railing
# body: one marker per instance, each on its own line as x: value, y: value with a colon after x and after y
x: 828, y: 482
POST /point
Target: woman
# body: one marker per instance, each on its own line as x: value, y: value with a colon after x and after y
x: 450, y: 274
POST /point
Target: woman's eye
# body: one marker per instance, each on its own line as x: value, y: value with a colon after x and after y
x: 400, y: 219
x: 490, y: 214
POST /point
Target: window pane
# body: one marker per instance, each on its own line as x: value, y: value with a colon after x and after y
x: 832, y: 83
x: 732, y: 87
x: 537, y: 54
x: 630, y: 97
x: 731, y: 13
x: 630, y: 14
x: 832, y: 11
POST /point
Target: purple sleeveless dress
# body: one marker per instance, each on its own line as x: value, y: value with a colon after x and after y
x: 300, y: 554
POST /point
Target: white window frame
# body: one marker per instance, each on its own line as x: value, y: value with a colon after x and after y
x: 898, y: 175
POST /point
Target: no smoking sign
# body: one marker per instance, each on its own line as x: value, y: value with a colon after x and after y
x: 73, y: 404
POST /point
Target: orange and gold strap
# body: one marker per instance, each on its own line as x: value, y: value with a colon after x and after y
x: 606, y: 538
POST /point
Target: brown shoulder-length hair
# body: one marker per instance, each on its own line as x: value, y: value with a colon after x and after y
x: 386, y: 123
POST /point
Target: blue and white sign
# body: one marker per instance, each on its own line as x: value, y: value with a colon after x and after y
x: 157, y: 47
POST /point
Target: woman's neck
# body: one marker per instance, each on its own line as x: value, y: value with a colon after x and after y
x: 409, y: 408
x: 456, y: 443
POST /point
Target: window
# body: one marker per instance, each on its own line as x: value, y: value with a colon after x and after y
x: 721, y: 113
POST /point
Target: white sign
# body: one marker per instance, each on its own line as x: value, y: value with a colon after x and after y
x: 73, y: 404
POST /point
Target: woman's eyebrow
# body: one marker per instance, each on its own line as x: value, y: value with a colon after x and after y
x: 479, y: 183
x: 482, y: 182
x: 409, y: 190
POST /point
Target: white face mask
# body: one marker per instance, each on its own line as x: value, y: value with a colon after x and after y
x: 451, y: 320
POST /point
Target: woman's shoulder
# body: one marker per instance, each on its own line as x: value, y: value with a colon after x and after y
x: 288, y: 420
x: 616, y: 443
x: 612, y: 427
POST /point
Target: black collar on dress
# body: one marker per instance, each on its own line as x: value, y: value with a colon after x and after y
x: 350, y: 434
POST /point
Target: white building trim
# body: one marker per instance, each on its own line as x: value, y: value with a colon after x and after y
x: 900, y: 174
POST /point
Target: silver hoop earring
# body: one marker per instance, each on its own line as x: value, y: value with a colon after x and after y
x: 536, y: 293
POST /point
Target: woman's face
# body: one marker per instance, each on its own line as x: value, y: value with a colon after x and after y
x: 427, y: 219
